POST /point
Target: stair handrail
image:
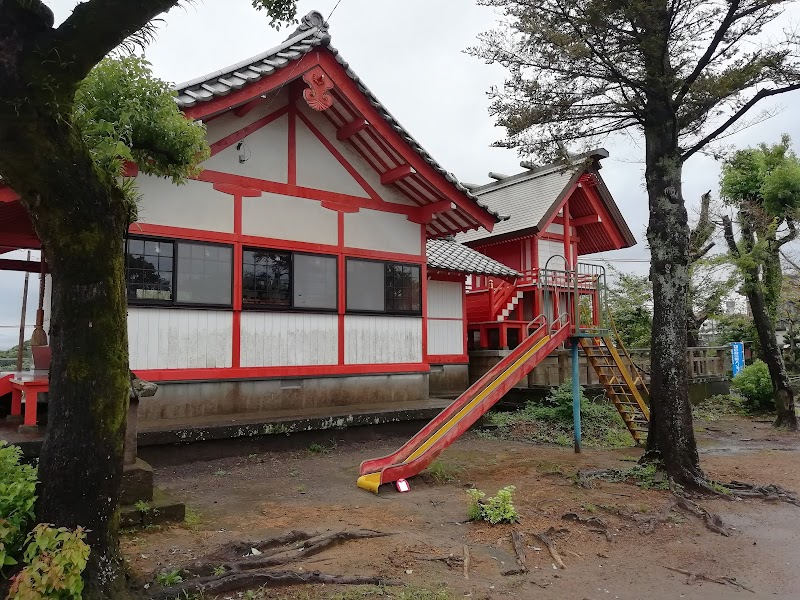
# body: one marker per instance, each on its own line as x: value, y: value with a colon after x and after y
x: 540, y: 319
x: 621, y: 345
x: 565, y: 317
x: 506, y: 290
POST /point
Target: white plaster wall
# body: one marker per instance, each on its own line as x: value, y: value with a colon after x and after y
x: 382, y: 340
x: 387, y: 193
x: 377, y: 230
x: 266, y: 151
x: 445, y: 337
x: 548, y: 248
x: 193, y: 205
x: 317, y: 168
x: 288, y: 218
x: 162, y: 338
x: 445, y: 299
x: 229, y: 123
x: 271, y: 339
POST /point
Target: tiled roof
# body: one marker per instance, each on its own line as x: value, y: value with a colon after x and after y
x: 312, y: 32
x: 449, y: 255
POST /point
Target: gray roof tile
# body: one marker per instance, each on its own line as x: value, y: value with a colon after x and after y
x: 312, y: 32
x: 449, y: 255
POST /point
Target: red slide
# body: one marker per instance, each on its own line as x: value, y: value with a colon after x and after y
x: 447, y: 426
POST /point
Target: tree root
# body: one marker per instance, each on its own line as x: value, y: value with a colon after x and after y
x: 237, y: 581
x: 595, y: 524
x: 692, y: 577
x: 586, y: 478
x: 278, y: 557
x: 214, y: 574
x: 466, y: 561
x: 519, y: 550
x: 545, y: 538
x: 770, y: 492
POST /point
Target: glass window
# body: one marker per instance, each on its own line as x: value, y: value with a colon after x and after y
x: 403, y: 288
x: 266, y: 278
x: 365, y: 285
x: 314, y: 281
x: 149, y: 270
x: 383, y: 287
x: 204, y: 274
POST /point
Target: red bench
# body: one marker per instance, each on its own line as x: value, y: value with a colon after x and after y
x: 31, y: 384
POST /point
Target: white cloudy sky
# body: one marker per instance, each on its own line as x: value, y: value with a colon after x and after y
x: 410, y: 53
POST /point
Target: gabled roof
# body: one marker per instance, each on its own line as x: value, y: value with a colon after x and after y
x: 532, y: 197
x: 449, y: 255
x: 313, y: 33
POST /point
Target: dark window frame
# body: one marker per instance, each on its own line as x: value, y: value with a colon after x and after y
x: 385, y: 312
x: 291, y: 307
x: 175, y: 257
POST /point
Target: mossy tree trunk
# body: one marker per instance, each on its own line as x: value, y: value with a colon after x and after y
x: 670, y: 437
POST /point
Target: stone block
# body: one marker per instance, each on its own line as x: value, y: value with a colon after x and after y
x: 137, y: 483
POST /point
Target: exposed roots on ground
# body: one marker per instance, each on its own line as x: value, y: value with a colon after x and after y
x: 547, y: 539
x: 595, y: 524
x: 691, y: 577
x: 770, y: 492
x: 240, y: 565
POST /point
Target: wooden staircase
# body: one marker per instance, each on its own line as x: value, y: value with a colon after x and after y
x: 622, y: 384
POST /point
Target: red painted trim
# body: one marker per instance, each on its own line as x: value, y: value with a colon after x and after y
x: 264, y: 242
x: 292, y: 178
x: 246, y: 108
x: 438, y: 275
x: 428, y: 213
x: 7, y: 264
x: 342, y: 160
x: 599, y: 207
x: 202, y: 110
x: 338, y: 207
x: 445, y: 319
x: 464, y: 316
x: 445, y: 359
x: 236, y: 136
x: 587, y: 220
x: 401, y: 172
x: 295, y: 191
x: 8, y: 195
x: 236, y: 190
x: 352, y: 128
x: 178, y: 375
x: 360, y: 102
x: 16, y: 242
x: 567, y: 234
x: 342, y: 282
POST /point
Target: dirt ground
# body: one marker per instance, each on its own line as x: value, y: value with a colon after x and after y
x: 258, y: 496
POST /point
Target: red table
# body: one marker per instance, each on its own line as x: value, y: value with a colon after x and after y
x: 32, y: 384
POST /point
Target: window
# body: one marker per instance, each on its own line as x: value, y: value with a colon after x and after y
x: 277, y: 279
x: 374, y: 286
x: 173, y: 272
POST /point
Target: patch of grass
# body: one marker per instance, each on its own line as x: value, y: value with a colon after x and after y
x: 552, y: 469
x: 718, y: 407
x: 404, y: 593
x: 443, y: 472
x: 220, y: 570
x: 719, y: 488
x: 550, y: 421
x: 589, y: 507
x: 192, y: 517
x: 143, y: 506
x: 221, y: 473
x: 316, y: 448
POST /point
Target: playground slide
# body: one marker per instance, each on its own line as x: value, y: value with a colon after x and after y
x: 445, y: 428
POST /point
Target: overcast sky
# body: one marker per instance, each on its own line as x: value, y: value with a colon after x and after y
x: 411, y: 55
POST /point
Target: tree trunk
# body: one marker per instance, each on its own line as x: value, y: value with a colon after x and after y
x: 671, y: 436
x: 693, y: 325
x: 770, y: 352
x: 81, y: 217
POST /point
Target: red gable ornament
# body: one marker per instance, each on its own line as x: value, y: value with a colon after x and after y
x: 317, y: 94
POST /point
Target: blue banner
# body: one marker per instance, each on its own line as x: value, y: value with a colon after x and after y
x: 737, y: 357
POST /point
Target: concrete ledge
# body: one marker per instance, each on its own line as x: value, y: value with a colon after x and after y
x: 163, y: 509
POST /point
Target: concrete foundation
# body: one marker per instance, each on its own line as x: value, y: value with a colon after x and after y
x: 448, y: 380
x: 280, y: 397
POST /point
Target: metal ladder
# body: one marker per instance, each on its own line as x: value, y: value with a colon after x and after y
x: 620, y: 384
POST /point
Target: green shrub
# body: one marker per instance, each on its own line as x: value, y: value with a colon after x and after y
x: 497, y: 509
x: 17, y: 499
x: 54, y: 561
x: 717, y: 407
x: 755, y: 385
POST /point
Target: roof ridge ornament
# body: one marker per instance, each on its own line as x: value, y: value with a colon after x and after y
x: 311, y: 20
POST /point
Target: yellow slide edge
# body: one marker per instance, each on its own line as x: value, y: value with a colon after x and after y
x: 370, y: 482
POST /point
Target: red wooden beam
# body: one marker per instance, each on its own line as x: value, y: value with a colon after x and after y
x: 396, y: 174
x: 352, y: 128
x: 426, y: 214
x: 587, y: 220
x: 237, y: 190
x: 599, y: 207
x: 18, y: 241
x: 8, y: 195
x: 236, y: 136
x: 7, y: 264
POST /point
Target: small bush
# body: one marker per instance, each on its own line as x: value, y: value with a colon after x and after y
x: 442, y: 472
x: 169, y: 577
x: 754, y: 383
x: 318, y: 449
x: 717, y: 407
x: 494, y: 510
x: 54, y: 561
x: 17, y: 499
